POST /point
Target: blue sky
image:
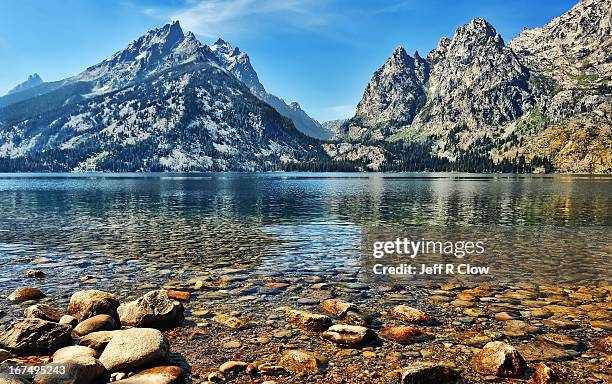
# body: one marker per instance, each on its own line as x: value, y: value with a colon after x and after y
x: 320, y: 53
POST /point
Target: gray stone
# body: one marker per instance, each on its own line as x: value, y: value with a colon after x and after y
x: 133, y: 348
x: 35, y: 336
x: 44, y: 312
x: 86, y: 304
x: 82, y: 370
x: 98, y: 340
x: 95, y: 324
x: 429, y: 373
x: 347, y: 335
x: 499, y: 359
x: 154, y: 310
x: 73, y: 352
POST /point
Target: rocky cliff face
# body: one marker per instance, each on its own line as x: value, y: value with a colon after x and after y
x: 476, y: 82
x: 574, y: 48
x: 239, y: 64
x: 393, y: 96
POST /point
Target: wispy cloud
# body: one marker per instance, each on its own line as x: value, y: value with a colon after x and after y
x: 396, y: 7
x: 213, y: 17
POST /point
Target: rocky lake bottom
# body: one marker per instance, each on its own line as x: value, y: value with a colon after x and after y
x: 242, y: 313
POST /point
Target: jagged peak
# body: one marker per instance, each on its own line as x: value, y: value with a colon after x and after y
x: 400, y: 57
x: 35, y: 76
x: 478, y: 29
x: 32, y: 81
x: 171, y: 32
x: 222, y: 45
x: 295, y: 106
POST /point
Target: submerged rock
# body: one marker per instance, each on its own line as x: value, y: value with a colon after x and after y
x: 153, y: 310
x: 230, y: 321
x: 337, y: 307
x: 499, y: 359
x: 26, y: 293
x: 347, y: 335
x: 429, y: 373
x: 604, y: 345
x: 409, y: 314
x: 308, y: 321
x: 300, y: 362
x: 34, y: 273
x: 35, y: 336
x: 402, y: 335
x: 357, y: 318
x: 544, y: 375
x: 86, y: 304
x: 44, y: 312
x: 133, y: 348
x: 179, y: 295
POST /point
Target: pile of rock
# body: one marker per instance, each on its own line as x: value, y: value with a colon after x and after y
x: 114, y: 341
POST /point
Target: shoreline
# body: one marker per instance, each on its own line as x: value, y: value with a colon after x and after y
x: 229, y: 318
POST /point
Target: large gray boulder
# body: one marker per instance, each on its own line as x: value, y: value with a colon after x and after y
x: 95, y: 324
x: 73, y: 352
x: 499, y: 359
x: 153, y: 310
x: 97, y: 340
x: 80, y: 370
x: 133, y: 348
x: 44, y: 312
x: 86, y: 304
x: 35, y: 336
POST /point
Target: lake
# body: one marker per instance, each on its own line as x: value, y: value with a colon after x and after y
x: 119, y: 225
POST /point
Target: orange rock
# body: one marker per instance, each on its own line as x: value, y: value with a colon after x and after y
x: 409, y: 314
x: 543, y: 375
x: 401, y: 335
x: 179, y: 295
x: 277, y: 285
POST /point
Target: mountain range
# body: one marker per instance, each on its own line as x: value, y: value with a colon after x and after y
x: 539, y: 103
x: 165, y: 102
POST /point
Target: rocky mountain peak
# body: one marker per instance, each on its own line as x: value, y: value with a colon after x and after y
x: 32, y: 81
x: 238, y: 63
x: 475, y: 82
x: 394, y: 94
x: 573, y: 48
x: 400, y: 58
x: 477, y: 32
x: 155, y: 51
x: 295, y: 106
